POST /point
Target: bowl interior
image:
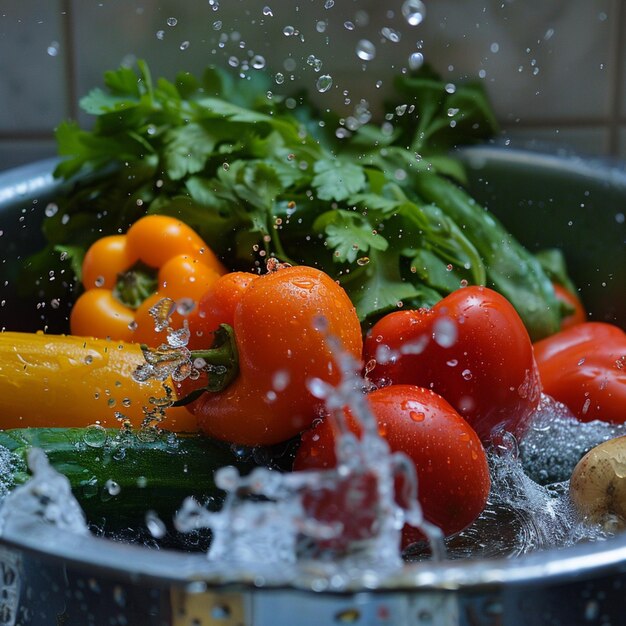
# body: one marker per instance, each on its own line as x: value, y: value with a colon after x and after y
x: 545, y: 200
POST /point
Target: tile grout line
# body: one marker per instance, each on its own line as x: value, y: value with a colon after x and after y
x: 616, y: 68
x: 67, y: 23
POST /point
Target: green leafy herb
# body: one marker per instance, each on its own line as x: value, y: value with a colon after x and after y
x: 375, y: 208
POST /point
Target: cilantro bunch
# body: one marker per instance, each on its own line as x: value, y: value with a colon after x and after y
x: 257, y: 176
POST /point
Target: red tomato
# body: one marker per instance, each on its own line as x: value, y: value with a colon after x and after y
x: 578, y: 314
x: 450, y: 461
x: 472, y: 348
x: 584, y: 367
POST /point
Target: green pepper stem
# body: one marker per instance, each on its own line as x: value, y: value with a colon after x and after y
x: 221, y: 363
x: 135, y: 286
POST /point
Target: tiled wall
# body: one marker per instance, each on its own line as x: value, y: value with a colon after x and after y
x: 555, y: 69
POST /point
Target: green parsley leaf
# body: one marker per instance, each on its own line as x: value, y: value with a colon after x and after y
x: 378, y: 287
x: 349, y: 235
x: 337, y: 180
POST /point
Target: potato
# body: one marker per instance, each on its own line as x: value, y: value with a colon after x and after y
x: 598, y: 485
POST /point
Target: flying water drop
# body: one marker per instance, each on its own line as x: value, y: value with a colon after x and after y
x: 365, y: 50
x: 324, y: 83
x: 414, y: 12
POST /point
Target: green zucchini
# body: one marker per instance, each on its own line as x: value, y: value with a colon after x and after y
x: 118, y: 477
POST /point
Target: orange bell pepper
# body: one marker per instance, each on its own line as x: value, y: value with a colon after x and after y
x: 124, y: 276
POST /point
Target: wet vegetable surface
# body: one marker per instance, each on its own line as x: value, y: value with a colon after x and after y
x: 472, y: 348
x: 125, y: 275
x: 451, y: 464
x: 585, y: 368
x: 281, y: 325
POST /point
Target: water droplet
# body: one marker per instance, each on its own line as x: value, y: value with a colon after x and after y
x: 364, y: 260
x: 155, y: 525
x: 329, y: 4
x: 95, y: 436
x: 184, y: 45
x: 51, y: 209
x: 401, y: 109
x: 178, y: 338
x: 324, y: 83
x: 505, y: 444
x: 365, y: 50
x: 53, y: 49
x: 112, y: 487
x: 348, y: 25
x: 280, y: 380
x: 268, y: 12
x: 172, y: 21
x: 185, y: 306
x: 467, y: 374
x: 257, y: 62
x: 160, y: 34
x: 314, y: 62
x: 289, y: 31
x: 416, y: 60
x: 290, y: 64
x: 161, y: 313
x: 390, y: 34
x: 414, y: 12
x: 320, y: 27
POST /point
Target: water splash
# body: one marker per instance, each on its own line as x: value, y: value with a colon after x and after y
x: 557, y: 440
x: 271, y: 518
x: 46, y: 496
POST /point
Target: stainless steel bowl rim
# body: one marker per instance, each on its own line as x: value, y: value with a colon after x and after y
x: 94, y: 554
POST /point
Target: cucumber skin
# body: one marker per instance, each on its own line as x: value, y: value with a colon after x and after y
x: 117, y: 482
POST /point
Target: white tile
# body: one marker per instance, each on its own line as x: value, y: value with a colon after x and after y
x: 539, y: 60
x: 32, y: 70
x: 201, y: 36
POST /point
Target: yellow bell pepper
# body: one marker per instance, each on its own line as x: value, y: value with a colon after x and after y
x: 63, y: 380
x: 124, y: 276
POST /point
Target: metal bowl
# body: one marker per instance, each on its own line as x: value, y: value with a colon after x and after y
x: 50, y: 576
